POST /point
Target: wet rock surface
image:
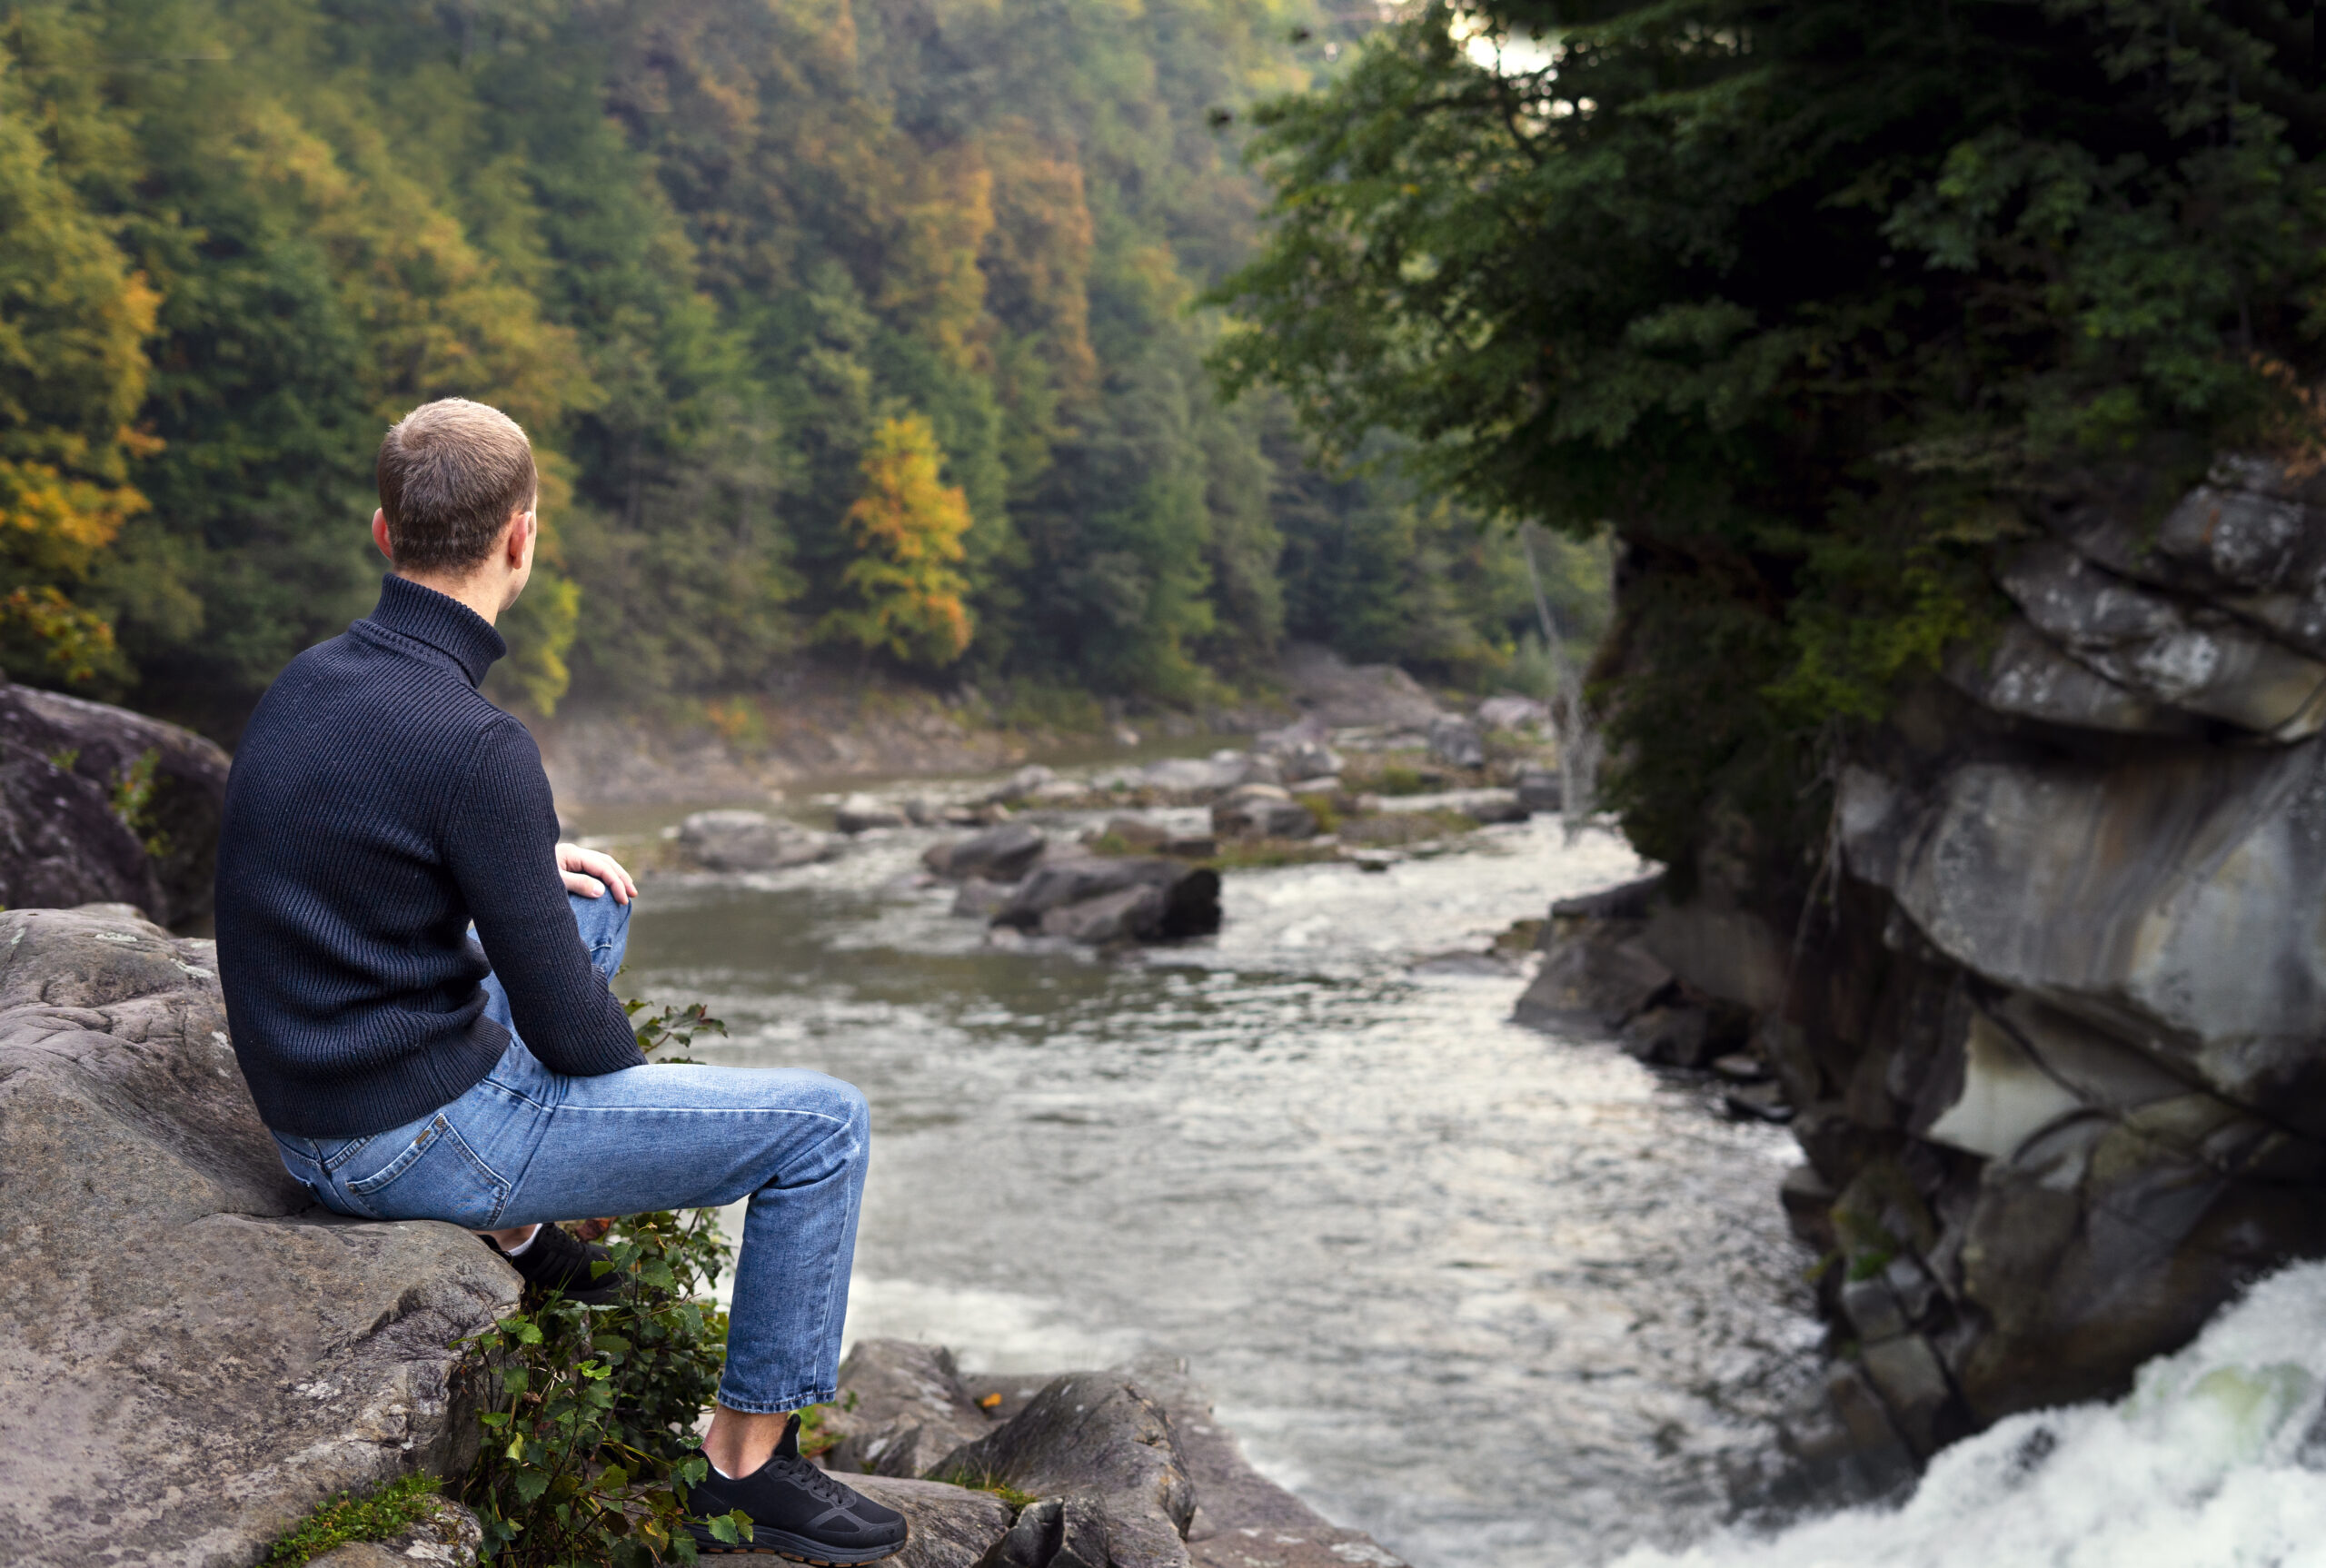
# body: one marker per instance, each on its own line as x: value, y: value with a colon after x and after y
x: 226, y: 1356
x: 735, y: 840
x: 1125, y: 1469
x: 2053, y: 1032
x: 101, y: 805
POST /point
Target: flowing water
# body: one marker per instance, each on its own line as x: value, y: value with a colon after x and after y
x: 1505, y: 1300
x: 1500, y: 1298
x: 2217, y: 1459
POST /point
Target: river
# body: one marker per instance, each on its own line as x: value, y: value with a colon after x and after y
x: 1502, y: 1299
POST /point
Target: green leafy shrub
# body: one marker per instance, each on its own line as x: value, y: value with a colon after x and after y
x: 590, y: 1411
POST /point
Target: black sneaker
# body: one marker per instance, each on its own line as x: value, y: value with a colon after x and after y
x: 560, y: 1260
x: 797, y: 1511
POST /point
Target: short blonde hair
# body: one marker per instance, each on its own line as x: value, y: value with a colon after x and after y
x: 450, y: 472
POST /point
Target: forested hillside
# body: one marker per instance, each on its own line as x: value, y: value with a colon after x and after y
x: 854, y: 330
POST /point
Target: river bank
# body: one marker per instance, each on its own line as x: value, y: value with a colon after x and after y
x: 820, y: 729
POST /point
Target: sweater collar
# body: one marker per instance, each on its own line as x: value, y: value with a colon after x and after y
x: 439, y: 621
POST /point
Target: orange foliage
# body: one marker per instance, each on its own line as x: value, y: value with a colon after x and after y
x: 908, y: 526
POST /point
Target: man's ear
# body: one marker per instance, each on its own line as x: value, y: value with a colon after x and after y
x: 380, y: 536
x: 523, y: 527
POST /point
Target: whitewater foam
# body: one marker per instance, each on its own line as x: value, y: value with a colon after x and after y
x: 2217, y: 1459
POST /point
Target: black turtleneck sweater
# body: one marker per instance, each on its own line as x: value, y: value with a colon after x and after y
x: 378, y: 804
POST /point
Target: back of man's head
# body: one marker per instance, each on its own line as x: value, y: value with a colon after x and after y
x: 451, y: 473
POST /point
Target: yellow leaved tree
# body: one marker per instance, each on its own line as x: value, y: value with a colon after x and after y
x: 74, y: 317
x: 908, y: 528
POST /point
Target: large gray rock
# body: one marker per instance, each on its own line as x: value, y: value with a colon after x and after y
x: 1100, y: 1437
x: 950, y: 1526
x: 1127, y: 914
x: 67, y: 768
x: 901, y: 1409
x: 861, y: 813
x: 2250, y: 540
x: 1190, y: 893
x: 193, y: 1356
x: 1262, y: 811
x: 1456, y: 742
x: 2027, y: 675
x: 1002, y: 854
x: 1240, y: 1516
x: 1594, y: 980
x: 2178, y: 905
x: 2194, y: 657
x: 751, y: 841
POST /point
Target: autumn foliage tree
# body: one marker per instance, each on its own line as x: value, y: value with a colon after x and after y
x: 909, y: 527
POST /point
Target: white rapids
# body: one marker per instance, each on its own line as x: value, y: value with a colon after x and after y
x: 2217, y: 1459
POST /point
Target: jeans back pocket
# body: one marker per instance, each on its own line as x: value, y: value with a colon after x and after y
x: 436, y: 1175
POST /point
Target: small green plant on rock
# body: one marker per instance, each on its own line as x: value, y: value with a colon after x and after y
x: 375, y: 1515
x: 590, y: 1411
x: 985, y: 1481
x: 133, y: 799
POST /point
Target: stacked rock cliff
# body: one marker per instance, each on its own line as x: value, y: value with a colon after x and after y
x: 2052, y: 1021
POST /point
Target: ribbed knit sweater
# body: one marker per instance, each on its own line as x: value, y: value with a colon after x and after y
x: 378, y: 804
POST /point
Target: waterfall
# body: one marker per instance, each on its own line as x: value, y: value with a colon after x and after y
x: 2216, y: 1459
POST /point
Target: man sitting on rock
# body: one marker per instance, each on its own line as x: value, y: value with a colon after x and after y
x: 381, y: 811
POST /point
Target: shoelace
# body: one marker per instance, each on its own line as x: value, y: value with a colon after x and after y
x: 819, y: 1484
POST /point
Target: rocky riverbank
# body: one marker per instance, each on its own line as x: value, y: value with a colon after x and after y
x: 747, y: 748
x: 1128, y: 853
x: 2048, y: 1023
x: 196, y: 1356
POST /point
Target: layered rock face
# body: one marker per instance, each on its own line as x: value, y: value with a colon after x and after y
x: 2054, y: 1029
x: 193, y: 1356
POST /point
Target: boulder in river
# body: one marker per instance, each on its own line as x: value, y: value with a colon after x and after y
x: 1262, y: 811
x: 1312, y: 759
x: 751, y: 841
x: 861, y: 813
x: 1125, y: 915
x: 101, y: 805
x: 1541, y: 790
x: 1000, y: 854
x: 1190, y: 893
x: 194, y: 1357
x: 1456, y: 742
x: 1021, y: 784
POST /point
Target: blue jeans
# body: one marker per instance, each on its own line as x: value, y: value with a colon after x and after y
x: 527, y: 1144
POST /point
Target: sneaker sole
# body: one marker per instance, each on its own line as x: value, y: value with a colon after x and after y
x: 767, y: 1543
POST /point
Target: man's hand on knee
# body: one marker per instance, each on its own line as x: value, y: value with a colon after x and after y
x: 593, y: 873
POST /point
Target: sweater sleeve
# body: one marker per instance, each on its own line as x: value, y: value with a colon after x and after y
x: 501, y: 849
